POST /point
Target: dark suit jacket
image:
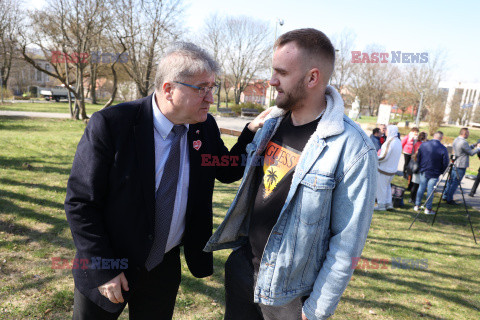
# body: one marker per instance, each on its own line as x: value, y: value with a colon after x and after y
x: 111, y: 194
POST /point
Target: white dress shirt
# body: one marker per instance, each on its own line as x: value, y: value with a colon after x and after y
x: 163, y: 136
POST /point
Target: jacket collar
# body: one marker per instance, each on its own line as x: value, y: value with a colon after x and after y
x: 331, y: 123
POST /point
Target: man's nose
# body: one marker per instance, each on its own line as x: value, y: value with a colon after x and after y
x: 274, y: 82
x: 209, y: 97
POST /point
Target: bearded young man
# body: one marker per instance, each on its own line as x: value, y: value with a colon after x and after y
x: 299, y: 220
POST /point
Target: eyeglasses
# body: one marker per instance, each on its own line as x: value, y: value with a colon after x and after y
x: 202, y: 91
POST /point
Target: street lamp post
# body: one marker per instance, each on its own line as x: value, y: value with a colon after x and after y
x: 278, y: 22
x: 417, y: 121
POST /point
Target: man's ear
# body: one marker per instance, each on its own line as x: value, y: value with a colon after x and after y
x: 313, y: 77
x: 167, y: 89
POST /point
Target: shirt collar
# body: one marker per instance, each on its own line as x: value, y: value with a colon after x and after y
x: 160, y: 122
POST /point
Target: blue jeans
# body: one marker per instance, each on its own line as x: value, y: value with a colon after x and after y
x: 425, y: 184
x: 453, y: 183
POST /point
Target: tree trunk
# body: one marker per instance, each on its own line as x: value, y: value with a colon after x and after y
x: 80, y: 97
x: 218, y: 94
x: 93, y: 82
x: 114, y: 89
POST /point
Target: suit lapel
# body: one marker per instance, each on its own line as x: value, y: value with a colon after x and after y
x: 145, y: 151
x: 194, y: 142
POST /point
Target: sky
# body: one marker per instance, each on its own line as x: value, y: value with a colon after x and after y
x: 448, y: 27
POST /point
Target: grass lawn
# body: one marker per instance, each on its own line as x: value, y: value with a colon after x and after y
x: 34, y: 165
x: 55, y: 107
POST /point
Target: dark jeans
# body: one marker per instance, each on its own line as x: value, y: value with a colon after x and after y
x: 413, y: 192
x: 453, y: 182
x: 407, y: 158
x: 240, y: 279
x: 153, y: 297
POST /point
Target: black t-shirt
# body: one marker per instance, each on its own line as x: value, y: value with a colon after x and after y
x: 274, y: 179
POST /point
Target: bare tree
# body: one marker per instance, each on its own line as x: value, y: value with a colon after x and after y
x: 10, y: 22
x: 248, y: 50
x: 64, y: 30
x: 344, y: 44
x: 144, y: 28
x: 372, y: 81
x: 424, y: 78
x: 212, y: 37
x: 402, y: 97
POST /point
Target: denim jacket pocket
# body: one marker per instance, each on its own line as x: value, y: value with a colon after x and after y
x: 316, y: 194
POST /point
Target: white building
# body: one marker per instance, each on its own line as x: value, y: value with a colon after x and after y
x: 470, y: 95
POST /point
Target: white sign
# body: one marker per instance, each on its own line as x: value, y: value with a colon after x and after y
x: 384, y: 114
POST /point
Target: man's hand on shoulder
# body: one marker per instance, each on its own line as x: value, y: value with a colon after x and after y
x: 258, y: 122
x: 112, y: 290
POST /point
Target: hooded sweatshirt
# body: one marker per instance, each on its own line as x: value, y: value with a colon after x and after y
x: 389, y: 154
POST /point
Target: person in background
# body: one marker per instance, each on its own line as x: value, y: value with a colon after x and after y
x: 375, y: 136
x: 415, y: 177
x: 388, y: 159
x: 407, y: 148
x: 432, y: 158
x: 477, y: 179
x: 383, y: 129
x: 462, y: 151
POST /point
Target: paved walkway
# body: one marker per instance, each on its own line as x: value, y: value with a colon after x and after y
x: 238, y: 124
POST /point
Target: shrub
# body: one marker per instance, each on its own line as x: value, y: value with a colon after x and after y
x: 237, y: 108
x: 7, y: 93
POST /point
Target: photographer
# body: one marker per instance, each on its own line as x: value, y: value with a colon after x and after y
x: 462, y: 151
x: 477, y: 180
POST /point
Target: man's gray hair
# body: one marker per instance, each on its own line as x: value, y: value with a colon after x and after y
x: 183, y: 60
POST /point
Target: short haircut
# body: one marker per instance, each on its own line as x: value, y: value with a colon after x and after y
x: 463, y: 131
x: 181, y: 61
x: 314, y: 43
x: 438, y: 134
x: 376, y: 130
x: 414, y: 129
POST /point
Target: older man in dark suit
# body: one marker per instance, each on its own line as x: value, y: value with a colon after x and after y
x: 138, y: 191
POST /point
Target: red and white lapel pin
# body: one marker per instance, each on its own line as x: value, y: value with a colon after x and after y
x: 197, y: 144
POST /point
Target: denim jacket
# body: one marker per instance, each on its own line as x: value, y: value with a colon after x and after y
x: 325, y: 220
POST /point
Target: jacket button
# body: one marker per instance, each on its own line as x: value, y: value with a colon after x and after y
x: 150, y: 237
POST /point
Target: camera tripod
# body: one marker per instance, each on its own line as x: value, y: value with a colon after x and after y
x: 447, y: 172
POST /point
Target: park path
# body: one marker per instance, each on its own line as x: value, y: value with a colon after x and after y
x: 237, y: 124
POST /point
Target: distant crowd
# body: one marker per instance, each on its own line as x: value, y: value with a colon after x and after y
x: 424, y: 162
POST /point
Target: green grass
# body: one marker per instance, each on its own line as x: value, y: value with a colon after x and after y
x: 61, y: 107
x: 33, y: 230
x: 55, y: 107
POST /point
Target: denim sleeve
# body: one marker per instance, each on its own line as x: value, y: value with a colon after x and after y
x: 352, y: 209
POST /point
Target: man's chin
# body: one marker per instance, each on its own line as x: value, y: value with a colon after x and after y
x: 284, y: 106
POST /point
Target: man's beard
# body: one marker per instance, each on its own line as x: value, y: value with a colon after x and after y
x: 293, y: 99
